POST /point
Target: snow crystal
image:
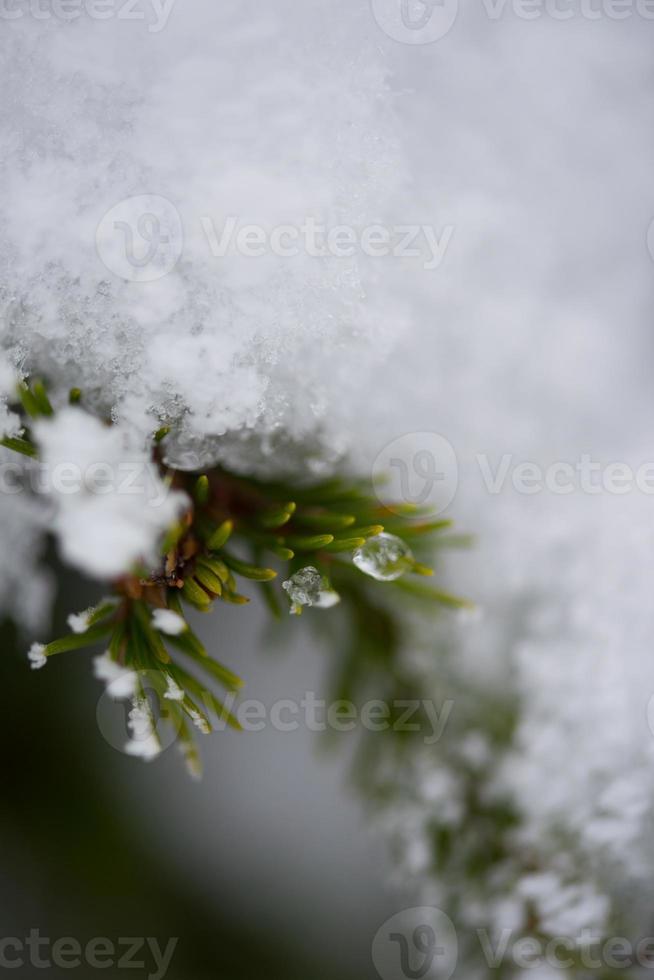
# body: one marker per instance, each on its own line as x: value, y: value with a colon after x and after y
x: 174, y: 692
x: 36, y: 656
x: 111, y: 505
x: 200, y: 723
x: 79, y: 622
x: 121, y: 682
x: 10, y: 424
x: 309, y: 587
x: 144, y: 741
x: 168, y: 621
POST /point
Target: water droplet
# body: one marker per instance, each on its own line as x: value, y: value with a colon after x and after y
x: 384, y: 557
x: 307, y: 587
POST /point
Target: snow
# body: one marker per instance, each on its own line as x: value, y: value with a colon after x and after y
x: 167, y: 621
x: 144, y: 741
x: 111, y: 507
x: 121, y: 682
x: 117, y: 124
x: 174, y: 692
x: 10, y: 424
x: 36, y: 656
x: 79, y: 622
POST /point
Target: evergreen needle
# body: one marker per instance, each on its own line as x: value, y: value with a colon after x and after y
x: 18, y: 445
x: 220, y: 536
x: 201, y: 489
x: 196, y: 595
x: 77, y: 641
x: 208, y: 578
x: 41, y: 398
x: 344, y: 544
x: 253, y: 572
x: 313, y: 542
x: 326, y: 522
x: 278, y: 517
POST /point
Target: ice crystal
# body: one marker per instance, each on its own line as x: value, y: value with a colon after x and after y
x: 309, y: 587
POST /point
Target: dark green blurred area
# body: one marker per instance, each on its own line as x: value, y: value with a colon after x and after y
x: 77, y: 862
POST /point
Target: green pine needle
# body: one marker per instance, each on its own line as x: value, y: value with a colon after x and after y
x: 220, y: 536
x: 249, y: 571
x: 19, y: 445
x: 313, y: 542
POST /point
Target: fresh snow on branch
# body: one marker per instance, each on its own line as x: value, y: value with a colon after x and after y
x: 126, y: 151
